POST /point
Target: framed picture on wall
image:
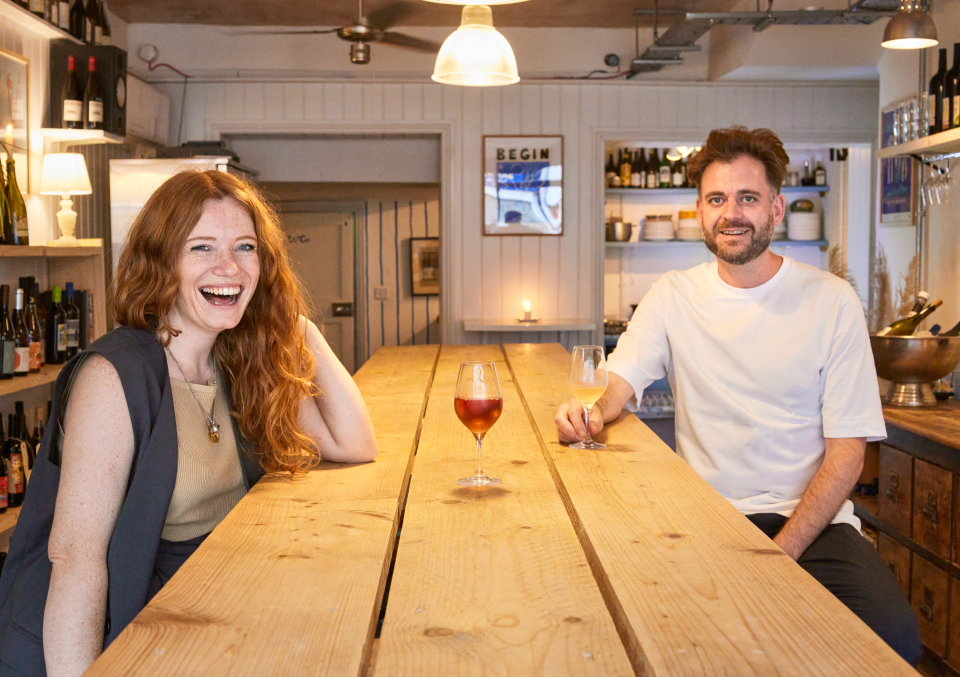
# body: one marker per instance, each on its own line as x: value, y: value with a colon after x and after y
x: 523, y: 185
x: 14, y: 76
x: 425, y: 266
x: 898, y: 186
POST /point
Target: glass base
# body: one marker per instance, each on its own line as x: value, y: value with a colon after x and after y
x: 587, y: 445
x: 479, y: 481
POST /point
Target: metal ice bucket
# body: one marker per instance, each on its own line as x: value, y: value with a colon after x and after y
x: 912, y: 364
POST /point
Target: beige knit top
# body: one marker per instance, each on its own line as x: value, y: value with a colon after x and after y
x: 209, y: 477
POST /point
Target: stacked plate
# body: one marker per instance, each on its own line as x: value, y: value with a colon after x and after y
x: 658, y: 227
x: 688, y: 228
x: 780, y: 230
x: 803, y: 226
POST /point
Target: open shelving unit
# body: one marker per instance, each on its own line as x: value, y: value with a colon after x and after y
x: 663, y: 192
x: 944, y: 143
x: 14, y: 12
x: 655, y: 244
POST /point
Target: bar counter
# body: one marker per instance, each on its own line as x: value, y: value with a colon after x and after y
x: 620, y: 561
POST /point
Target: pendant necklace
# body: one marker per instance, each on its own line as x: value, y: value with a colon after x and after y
x: 212, y: 427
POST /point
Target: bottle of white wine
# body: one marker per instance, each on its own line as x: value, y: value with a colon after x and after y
x: 918, y: 305
x: 955, y: 331
x: 907, y: 325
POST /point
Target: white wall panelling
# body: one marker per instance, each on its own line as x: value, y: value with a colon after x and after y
x: 486, y: 278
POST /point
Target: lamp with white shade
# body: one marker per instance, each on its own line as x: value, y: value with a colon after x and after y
x: 476, y: 55
x: 65, y: 174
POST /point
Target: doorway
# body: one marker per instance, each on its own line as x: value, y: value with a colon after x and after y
x: 321, y: 246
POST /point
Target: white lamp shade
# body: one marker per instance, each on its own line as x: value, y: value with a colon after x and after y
x: 64, y: 173
x: 467, y: 2
x: 476, y: 55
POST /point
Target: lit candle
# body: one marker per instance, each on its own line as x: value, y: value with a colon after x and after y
x: 527, y: 316
x: 9, y: 136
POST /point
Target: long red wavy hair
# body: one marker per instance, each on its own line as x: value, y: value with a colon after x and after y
x: 265, y: 356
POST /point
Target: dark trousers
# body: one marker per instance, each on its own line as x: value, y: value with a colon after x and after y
x: 846, y: 564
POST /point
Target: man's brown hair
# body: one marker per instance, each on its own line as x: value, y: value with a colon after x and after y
x: 726, y: 145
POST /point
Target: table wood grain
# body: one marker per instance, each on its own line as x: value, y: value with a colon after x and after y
x: 940, y: 424
x: 290, y: 582
x: 491, y: 580
x: 694, y: 588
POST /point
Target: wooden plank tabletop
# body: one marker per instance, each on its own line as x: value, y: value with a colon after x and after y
x: 940, y: 424
x: 290, y: 583
x: 490, y: 580
x: 694, y: 588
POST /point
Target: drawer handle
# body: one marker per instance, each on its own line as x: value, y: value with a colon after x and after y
x: 894, y: 484
x: 927, y: 612
x: 930, y: 509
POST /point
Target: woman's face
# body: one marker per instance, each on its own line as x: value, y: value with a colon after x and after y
x: 219, y: 269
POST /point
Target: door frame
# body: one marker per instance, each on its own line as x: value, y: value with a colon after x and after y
x: 355, y: 207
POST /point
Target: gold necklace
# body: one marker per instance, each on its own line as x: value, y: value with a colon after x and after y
x: 212, y: 427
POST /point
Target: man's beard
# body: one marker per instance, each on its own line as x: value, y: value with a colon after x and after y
x: 759, y: 241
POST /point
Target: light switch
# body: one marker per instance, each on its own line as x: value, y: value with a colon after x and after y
x: 381, y: 293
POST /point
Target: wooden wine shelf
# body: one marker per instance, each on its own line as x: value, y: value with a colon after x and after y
x: 14, y: 12
x: 943, y: 143
x: 15, y: 251
x: 78, y: 137
x: 662, y: 192
x: 48, y: 374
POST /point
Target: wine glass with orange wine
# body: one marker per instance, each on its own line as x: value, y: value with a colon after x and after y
x: 587, y: 381
x: 478, y: 404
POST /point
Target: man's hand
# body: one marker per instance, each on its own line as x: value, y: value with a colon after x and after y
x: 571, y: 426
x: 569, y: 419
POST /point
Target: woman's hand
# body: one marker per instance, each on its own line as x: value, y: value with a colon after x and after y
x: 97, y: 455
x: 337, y: 419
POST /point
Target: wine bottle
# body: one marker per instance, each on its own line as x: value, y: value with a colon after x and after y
x: 39, y: 425
x: 907, y: 325
x: 4, y: 479
x: 73, y: 323
x: 10, y: 235
x: 919, y: 304
x: 56, y: 333
x: 92, y: 99
x: 94, y: 27
x: 13, y: 457
x: 27, y: 445
x: 953, y: 331
x: 63, y: 15
x: 18, y: 209
x: 653, y: 167
x: 610, y: 171
x: 642, y: 157
x: 935, y: 96
x: 71, y: 98
x: 107, y: 38
x: 664, y: 170
x: 635, y: 170
x: 819, y: 175
x: 951, y: 92
x: 32, y: 321
x: 8, y: 340
x: 78, y: 21
x: 21, y: 362
x: 625, y: 168
x: 36, y: 7
x: 676, y: 178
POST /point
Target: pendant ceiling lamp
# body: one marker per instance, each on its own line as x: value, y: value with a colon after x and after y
x: 910, y: 28
x: 476, y: 55
x: 467, y: 2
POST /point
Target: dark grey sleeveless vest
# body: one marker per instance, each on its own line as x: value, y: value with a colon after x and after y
x: 142, y: 367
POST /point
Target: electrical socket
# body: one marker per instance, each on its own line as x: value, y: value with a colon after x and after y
x: 381, y: 293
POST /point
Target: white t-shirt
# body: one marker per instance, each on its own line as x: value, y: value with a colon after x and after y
x: 760, y: 377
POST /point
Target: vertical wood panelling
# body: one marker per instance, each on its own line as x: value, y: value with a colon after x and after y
x: 488, y: 276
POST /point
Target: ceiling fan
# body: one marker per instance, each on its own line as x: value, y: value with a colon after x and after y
x: 367, y: 29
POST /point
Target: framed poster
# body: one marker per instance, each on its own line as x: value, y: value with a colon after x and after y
x: 523, y: 185
x: 424, y: 266
x: 898, y: 190
x: 14, y: 71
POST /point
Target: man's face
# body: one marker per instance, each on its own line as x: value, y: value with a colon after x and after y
x: 738, y: 210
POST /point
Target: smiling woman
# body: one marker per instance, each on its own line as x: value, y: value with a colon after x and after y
x: 213, y: 377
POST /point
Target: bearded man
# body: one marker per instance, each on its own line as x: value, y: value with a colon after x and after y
x: 773, y: 377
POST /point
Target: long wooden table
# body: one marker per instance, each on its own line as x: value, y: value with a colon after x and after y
x: 613, y: 562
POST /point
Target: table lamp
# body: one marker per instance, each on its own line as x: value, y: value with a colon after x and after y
x: 65, y: 174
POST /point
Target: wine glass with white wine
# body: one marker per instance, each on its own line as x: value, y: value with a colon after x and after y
x: 587, y: 381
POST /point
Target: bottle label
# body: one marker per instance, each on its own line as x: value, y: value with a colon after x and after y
x: 652, y: 181
x: 665, y: 175
x: 17, y: 480
x: 63, y: 15
x: 635, y: 179
x: 20, y: 227
x: 35, y: 349
x: 61, y: 342
x: 677, y: 179
x: 98, y: 35
x: 21, y: 360
x: 932, y: 111
x: 72, y: 110
x: 73, y: 333
x: 956, y: 112
x: 95, y: 112
x: 3, y: 491
x: 8, y: 351
x: 55, y: 13
x: 36, y: 6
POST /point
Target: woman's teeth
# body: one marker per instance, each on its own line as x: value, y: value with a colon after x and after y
x: 221, y: 296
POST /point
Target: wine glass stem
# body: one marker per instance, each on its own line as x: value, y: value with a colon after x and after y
x: 479, y: 456
x: 586, y: 415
